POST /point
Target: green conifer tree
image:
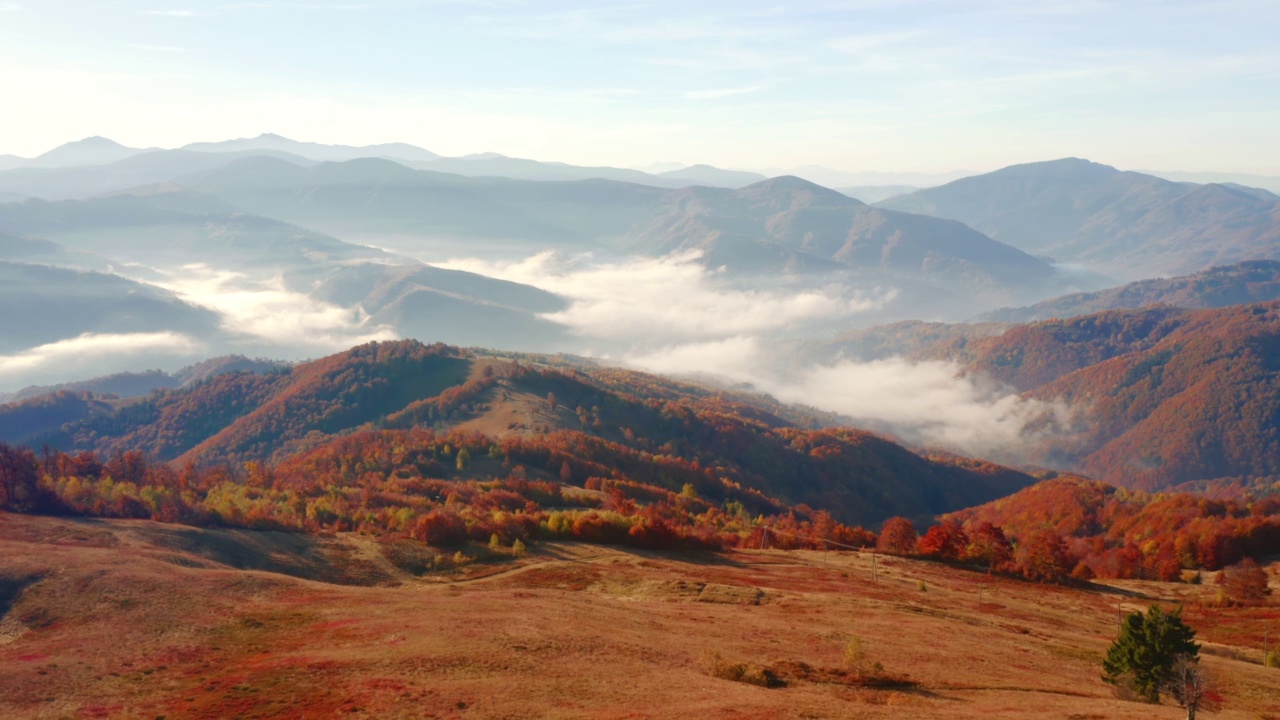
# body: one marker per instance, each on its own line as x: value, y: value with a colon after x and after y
x: 1149, y: 646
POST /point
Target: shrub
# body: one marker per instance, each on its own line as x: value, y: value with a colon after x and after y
x: 750, y: 673
x: 854, y: 654
x: 1245, y: 582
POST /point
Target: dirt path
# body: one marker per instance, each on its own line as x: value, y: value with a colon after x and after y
x: 524, y: 569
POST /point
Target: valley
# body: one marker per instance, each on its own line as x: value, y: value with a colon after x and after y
x: 304, y: 430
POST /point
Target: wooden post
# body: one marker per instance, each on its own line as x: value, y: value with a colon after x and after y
x: 874, y: 577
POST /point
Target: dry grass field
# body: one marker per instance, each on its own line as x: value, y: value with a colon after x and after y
x: 105, y: 619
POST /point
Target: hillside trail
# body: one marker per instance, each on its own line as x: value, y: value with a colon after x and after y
x: 536, y: 565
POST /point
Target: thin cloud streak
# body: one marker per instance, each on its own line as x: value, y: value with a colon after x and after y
x: 65, y: 357
x: 722, y: 93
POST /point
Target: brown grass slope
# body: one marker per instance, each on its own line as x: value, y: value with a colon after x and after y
x: 109, y: 619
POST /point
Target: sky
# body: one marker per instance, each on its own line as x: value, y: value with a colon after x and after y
x: 857, y: 85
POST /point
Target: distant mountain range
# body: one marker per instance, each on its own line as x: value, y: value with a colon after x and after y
x: 89, y: 151
x: 782, y: 225
x: 95, y: 166
x: 1124, y: 224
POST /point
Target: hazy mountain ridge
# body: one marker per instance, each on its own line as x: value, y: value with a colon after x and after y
x: 1113, y: 221
x: 142, y: 168
x: 97, y: 166
x: 779, y: 224
x: 1246, y: 282
x: 46, y: 304
x: 134, y: 384
x: 812, y: 221
x: 175, y: 228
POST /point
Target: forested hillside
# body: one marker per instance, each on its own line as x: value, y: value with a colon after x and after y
x: 562, y: 424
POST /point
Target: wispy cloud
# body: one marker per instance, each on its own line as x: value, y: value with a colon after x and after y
x: 858, y: 44
x: 158, y: 48
x: 67, y: 358
x: 9, y: 6
x: 285, y: 5
x: 721, y: 93
x: 177, y: 12
x: 266, y: 312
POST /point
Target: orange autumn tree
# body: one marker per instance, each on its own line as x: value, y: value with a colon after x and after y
x: 897, y: 536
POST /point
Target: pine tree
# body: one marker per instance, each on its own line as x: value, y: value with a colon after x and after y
x: 1147, y: 650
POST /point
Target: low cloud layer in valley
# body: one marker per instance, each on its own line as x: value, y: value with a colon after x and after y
x: 668, y: 315
x: 673, y: 316
x: 647, y: 300
x: 264, y: 313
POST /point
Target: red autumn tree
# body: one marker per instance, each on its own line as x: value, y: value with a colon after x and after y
x: 1044, y: 557
x: 440, y: 527
x: 989, y: 545
x: 897, y: 536
x: 946, y: 540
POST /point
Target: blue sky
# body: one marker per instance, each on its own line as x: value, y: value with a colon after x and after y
x: 909, y: 85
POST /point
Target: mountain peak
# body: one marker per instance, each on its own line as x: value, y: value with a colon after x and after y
x: 94, y: 141
x: 1062, y: 167
x: 93, y: 150
x: 793, y: 184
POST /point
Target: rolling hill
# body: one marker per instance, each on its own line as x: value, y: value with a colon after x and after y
x: 1155, y: 397
x: 1193, y: 401
x: 1127, y: 224
x: 594, y: 421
